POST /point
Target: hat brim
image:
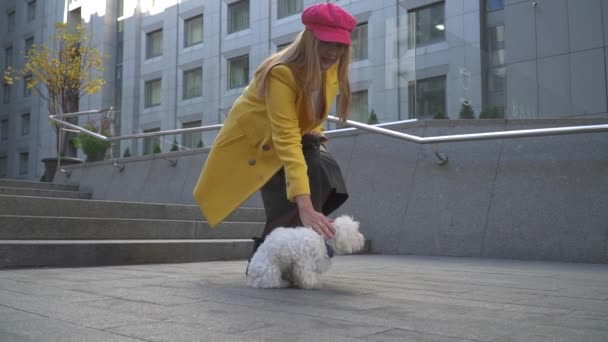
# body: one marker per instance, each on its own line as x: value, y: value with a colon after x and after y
x: 332, y: 35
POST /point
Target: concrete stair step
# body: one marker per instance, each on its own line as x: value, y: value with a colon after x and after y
x: 19, y: 191
x: 67, y: 207
x: 78, y: 253
x: 15, y: 227
x: 75, y: 253
x: 11, y: 183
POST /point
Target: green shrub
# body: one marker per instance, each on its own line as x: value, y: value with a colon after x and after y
x: 174, y: 146
x: 440, y: 116
x: 491, y: 113
x: 373, y: 118
x: 156, y: 149
x: 126, y: 153
x: 200, y: 144
x: 466, y: 111
x: 94, y: 148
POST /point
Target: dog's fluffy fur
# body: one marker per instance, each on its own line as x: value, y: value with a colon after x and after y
x: 295, y: 256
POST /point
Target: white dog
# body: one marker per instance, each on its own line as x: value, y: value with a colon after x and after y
x: 295, y: 256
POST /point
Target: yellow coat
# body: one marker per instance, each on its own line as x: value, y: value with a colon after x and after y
x: 258, y: 137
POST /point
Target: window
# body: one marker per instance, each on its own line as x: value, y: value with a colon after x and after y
x: 4, y: 130
x: 359, y: 38
x: 10, y: 21
x: 193, y: 83
x: 154, y: 44
x: 496, y: 76
x: 191, y: 139
x: 286, y: 8
x: 359, y: 107
x: 282, y: 46
x: 238, y: 72
x: 151, y: 143
x: 29, y: 44
x: 238, y: 16
x: 427, y: 25
x: 152, y: 96
x: 427, y: 97
x: 6, y: 94
x: 27, y: 92
x: 25, y: 124
x: 31, y: 10
x: 8, y: 56
x: 3, y: 166
x: 24, y: 159
x: 193, y: 28
x: 495, y: 5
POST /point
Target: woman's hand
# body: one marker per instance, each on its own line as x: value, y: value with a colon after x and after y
x: 314, y: 219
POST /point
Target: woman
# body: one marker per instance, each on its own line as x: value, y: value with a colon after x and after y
x: 272, y: 139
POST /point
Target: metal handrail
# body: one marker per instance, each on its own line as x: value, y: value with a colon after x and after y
x: 357, y: 125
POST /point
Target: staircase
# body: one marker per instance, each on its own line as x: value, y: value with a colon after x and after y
x: 45, y: 224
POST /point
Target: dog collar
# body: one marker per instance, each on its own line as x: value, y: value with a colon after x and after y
x: 330, y: 250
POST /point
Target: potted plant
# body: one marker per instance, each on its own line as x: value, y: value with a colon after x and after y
x: 94, y: 148
x: 61, y: 73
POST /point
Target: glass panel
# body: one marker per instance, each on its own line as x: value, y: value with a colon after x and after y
x: 359, y: 39
x: 6, y: 94
x: 193, y: 30
x: 238, y: 16
x: 428, y: 25
x: 238, y: 72
x: 359, y: 107
x: 192, y: 139
x: 25, y: 124
x: 152, y: 144
x: 286, y: 8
x: 27, y: 91
x: 10, y: 21
x: 154, y: 44
x: 495, y: 5
x: 4, y: 130
x: 430, y: 97
x: 29, y: 43
x: 8, y: 56
x: 193, y: 83
x: 31, y: 10
x: 23, y: 163
x: 153, y: 93
x: 3, y: 166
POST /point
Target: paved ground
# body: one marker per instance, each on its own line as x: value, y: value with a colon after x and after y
x: 363, y: 298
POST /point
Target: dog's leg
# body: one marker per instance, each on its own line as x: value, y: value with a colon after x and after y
x: 265, y: 277
x: 304, y: 276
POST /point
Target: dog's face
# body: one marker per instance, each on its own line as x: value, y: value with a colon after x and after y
x: 347, y: 240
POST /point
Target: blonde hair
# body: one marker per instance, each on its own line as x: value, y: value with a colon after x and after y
x: 302, y: 54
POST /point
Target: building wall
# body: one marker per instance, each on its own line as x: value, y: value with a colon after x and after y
x: 555, y: 57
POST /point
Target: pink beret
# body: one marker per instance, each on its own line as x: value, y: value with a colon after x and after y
x: 329, y: 23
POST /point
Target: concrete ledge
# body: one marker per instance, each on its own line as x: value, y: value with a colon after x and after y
x: 540, y: 198
x: 16, y: 253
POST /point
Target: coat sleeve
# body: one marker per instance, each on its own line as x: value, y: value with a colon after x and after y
x: 282, y: 112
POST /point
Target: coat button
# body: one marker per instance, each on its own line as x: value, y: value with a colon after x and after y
x: 265, y: 147
x: 252, y: 162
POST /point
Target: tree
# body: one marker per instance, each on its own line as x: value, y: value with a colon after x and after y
x: 174, y: 146
x: 61, y: 74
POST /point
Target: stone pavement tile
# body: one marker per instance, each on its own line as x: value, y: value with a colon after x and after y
x: 368, y: 297
x: 400, y: 335
x: 19, y: 326
x: 42, y: 291
x: 75, y: 313
x: 174, y: 332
